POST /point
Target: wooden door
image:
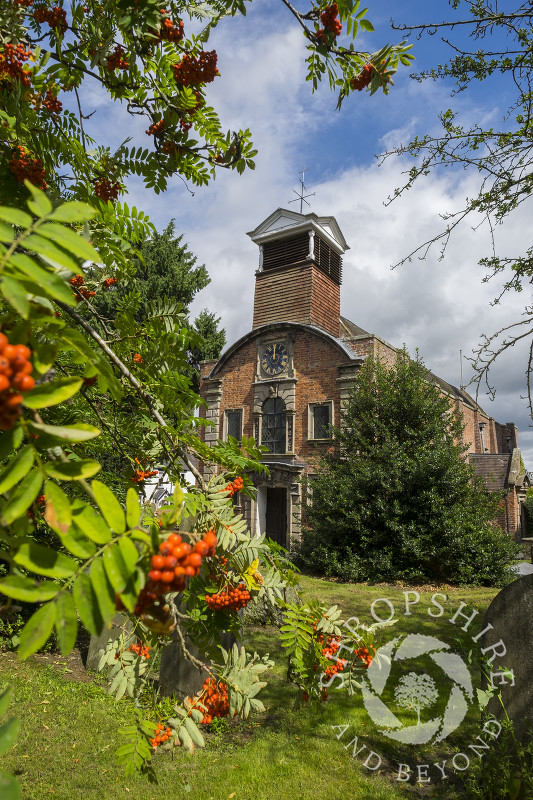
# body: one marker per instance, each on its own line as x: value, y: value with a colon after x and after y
x: 276, y: 515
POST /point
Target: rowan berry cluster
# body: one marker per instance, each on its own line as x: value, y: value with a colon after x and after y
x: 329, y: 651
x: 15, y: 379
x: 331, y: 24
x: 173, y: 565
x: 108, y: 282
x: 162, y: 735
x: 214, y: 697
x: 51, y: 103
x: 56, y: 17
x: 169, y: 31
x: 26, y: 168
x: 107, y: 190
x: 78, y: 283
x: 156, y: 128
x: 362, y: 80
x: 138, y: 359
x: 192, y: 70
x: 141, y: 650
x: 117, y: 59
x: 365, y: 655
x: 23, y: 3
x: 142, y: 474
x: 233, y: 600
x: 169, y: 148
x: 234, y: 486
x: 12, y: 65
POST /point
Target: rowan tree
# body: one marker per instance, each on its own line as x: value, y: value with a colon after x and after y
x: 499, y: 156
x: 396, y: 499
x: 66, y: 238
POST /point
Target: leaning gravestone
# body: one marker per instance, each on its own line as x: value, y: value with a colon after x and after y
x: 98, y: 643
x: 178, y: 675
x: 509, y: 642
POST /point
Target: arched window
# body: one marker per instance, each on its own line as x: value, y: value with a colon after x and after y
x: 273, y: 433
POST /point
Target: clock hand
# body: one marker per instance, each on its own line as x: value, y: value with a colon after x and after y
x: 274, y: 353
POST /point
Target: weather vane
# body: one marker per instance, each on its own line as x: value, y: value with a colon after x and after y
x: 302, y: 196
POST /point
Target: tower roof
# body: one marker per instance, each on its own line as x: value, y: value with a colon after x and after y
x: 283, y: 222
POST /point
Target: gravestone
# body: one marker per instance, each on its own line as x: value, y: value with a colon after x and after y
x: 510, y: 640
x: 178, y: 675
x: 98, y: 643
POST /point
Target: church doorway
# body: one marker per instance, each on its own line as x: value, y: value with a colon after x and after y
x: 276, y: 514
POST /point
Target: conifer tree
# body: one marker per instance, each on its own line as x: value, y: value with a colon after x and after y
x: 395, y: 499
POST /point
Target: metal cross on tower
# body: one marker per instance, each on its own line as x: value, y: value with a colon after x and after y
x: 302, y: 196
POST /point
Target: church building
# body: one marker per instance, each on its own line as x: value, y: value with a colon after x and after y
x: 285, y: 381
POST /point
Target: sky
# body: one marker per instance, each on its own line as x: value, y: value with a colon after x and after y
x: 440, y: 307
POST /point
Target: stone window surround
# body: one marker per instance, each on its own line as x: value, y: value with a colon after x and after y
x: 225, y: 422
x: 286, y: 390
x: 310, y: 419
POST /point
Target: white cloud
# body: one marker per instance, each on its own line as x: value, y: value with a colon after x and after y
x: 439, y: 307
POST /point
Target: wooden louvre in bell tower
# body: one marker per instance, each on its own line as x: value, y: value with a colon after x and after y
x: 300, y: 270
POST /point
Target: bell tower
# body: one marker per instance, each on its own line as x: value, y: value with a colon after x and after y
x: 300, y: 270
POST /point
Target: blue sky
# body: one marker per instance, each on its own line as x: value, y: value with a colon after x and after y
x: 439, y: 307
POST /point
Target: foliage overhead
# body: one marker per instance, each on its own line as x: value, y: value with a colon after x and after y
x: 78, y: 546
x: 500, y: 51
x: 396, y: 499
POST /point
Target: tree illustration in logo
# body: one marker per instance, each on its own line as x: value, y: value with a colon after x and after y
x: 416, y: 692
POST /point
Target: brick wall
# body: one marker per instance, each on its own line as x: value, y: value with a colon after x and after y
x: 297, y: 294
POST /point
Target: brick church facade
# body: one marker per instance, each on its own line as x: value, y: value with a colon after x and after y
x: 285, y: 381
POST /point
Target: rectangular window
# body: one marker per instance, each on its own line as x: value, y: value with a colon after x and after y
x: 234, y: 424
x: 320, y: 420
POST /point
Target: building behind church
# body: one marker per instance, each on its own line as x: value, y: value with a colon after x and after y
x: 285, y: 381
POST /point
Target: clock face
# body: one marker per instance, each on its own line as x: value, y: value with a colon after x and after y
x: 275, y: 358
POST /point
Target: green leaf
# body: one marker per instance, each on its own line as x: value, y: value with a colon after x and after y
x: 50, y: 283
x: 366, y: 25
x: 82, y: 432
x: 8, y: 734
x: 72, y: 212
x: 194, y: 733
x: 19, y: 587
x: 87, y: 605
x: 57, y: 511
x: 66, y: 623
x: 77, y: 543
x: 73, y: 470
x: 103, y: 590
x: 129, y: 554
x: 37, y: 630
x: 116, y: 569
x: 44, y: 355
x: 10, y: 440
x: 44, y: 561
x: 9, y: 788
x: 16, y: 469
x: 16, y: 295
x: 109, y: 506
x: 50, y: 394
x: 7, y: 233
x: 39, y: 204
x: 70, y: 240
x: 91, y: 523
x: 22, y: 497
x: 133, y: 508
x: 16, y: 217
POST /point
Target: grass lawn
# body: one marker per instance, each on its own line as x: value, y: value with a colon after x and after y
x: 69, y: 727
